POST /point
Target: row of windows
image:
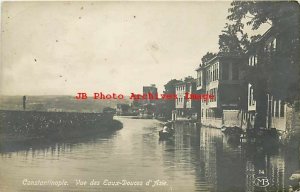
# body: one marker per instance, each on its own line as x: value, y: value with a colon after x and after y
x: 270, y: 47
x: 233, y: 68
x: 212, y: 74
x: 208, y: 113
x: 253, y: 60
x: 230, y: 71
x: 213, y: 92
x: 248, y: 116
x: 277, y: 108
x: 179, y: 100
x: 180, y: 88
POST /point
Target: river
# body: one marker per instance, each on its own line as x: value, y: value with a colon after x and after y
x: 133, y: 159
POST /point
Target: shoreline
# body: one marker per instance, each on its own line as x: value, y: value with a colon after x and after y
x: 22, y: 126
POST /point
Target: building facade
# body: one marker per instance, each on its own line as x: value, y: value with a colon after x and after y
x: 264, y: 54
x: 152, y: 89
x: 185, y: 107
x: 220, y: 77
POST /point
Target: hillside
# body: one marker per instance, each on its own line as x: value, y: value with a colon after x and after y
x: 57, y: 103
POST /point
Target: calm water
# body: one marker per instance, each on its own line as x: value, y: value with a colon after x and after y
x: 195, y: 160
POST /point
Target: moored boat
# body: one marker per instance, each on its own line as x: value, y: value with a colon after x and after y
x: 167, y: 131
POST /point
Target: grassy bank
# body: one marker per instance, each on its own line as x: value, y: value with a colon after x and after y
x: 18, y: 126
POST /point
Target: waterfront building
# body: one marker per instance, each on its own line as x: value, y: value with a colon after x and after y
x: 152, y: 90
x: 221, y: 77
x: 185, y: 107
x: 265, y: 53
x: 149, y: 103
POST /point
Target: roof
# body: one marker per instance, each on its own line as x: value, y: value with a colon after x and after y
x: 218, y: 56
x: 270, y: 32
x: 266, y: 35
x: 186, y: 82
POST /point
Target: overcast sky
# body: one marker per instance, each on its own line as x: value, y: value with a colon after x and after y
x: 68, y: 47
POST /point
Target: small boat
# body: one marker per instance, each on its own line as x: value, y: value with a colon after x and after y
x: 167, y: 131
x: 223, y: 129
x: 232, y: 130
x: 165, y: 135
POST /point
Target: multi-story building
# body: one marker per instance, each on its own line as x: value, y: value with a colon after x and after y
x: 262, y: 57
x: 148, y: 105
x: 152, y: 89
x: 185, y: 107
x: 221, y: 77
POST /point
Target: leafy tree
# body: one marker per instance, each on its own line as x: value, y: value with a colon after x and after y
x: 208, y: 56
x: 229, y: 42
x: 281, y: 13
x: 170, y: 103
x: 279, y: 76
x: 170, y: 86
x: 189, y: 78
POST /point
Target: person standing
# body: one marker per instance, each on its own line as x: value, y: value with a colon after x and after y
x: 24, y: 102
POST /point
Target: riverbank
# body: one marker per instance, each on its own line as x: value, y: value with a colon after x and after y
x: 19, y: 126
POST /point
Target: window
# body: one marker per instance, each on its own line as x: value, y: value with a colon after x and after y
x: 255, y: 60
x: 225, y: 70
x: 277, y: 108
x: 251, y: 60
x: 199, y: 78
x: 282, y: 112
x: 207, y: 80
x: 235, y: 71
x: 215, y: 71
x: 272, y: 106
x: 274, y: 45
x: 216, y: 68
x: 207, y: 76
x: 251, y: 99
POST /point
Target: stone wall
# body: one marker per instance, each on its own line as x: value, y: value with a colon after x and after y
x: 212, y: 122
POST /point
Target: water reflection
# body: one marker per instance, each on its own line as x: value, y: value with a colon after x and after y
x: 196, y: 159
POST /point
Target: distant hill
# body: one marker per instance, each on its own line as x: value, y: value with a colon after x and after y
x: 57, y: 103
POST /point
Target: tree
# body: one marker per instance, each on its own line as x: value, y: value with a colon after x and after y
x: 281, y: 78
x: 274, y: 13
x: 189, y: 78
x: 229, y: 42
x: 170, y: 103
x: 208, y: 56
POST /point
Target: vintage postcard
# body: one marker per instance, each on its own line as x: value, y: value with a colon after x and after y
x: 150, y: 96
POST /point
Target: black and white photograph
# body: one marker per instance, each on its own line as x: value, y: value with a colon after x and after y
x: 150, y: 96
